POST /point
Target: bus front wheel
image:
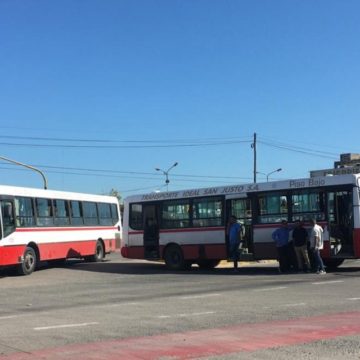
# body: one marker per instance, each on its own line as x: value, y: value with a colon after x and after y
x: 28, y: 264
x: 174, y: 258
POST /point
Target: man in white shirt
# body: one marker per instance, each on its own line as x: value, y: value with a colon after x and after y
x: 316, y: 244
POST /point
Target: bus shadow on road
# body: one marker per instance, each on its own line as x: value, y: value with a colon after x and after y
x: 144, y: 267
x: 140, y: 267
x: 151, y: 268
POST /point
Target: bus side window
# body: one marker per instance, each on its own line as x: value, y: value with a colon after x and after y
x: 61, y: 210
x: 136, y: 214
x: 114, y: 214
x: 24, y: 212
x: 104, y: 214
x: 76, y: 213
x: 90, y: 213
x: 44, y: 212
x: 7, y: 217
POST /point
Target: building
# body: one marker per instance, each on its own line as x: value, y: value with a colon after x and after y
x: 348, y: 164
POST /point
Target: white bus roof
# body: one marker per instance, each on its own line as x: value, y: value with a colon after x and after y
x: 53, y: 194
x: 242, y: 189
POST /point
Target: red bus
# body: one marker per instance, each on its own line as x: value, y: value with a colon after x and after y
x: 190, y: 225
x: 45, y: 225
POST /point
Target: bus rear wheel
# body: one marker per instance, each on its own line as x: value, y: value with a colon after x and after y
x: 99, y: 253
x: 333, y: 263
x: 28, y: 264
x: 174, y: 258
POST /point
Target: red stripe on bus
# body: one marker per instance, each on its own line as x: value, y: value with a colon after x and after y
x: 45, y: 229
x: 11, y: 254
x: 182, y: 230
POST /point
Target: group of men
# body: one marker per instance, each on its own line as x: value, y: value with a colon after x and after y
x: 304, y: 246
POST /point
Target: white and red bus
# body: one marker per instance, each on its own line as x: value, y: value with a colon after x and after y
x: 189, y: 227
x: 46, y: 225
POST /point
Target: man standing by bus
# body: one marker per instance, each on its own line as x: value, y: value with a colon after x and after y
x: 300, y: 236
x: 281, y: 238
x: 234, y: 233
x: 316, y: 244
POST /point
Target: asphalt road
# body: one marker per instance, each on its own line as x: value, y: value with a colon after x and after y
x: 129, y: 309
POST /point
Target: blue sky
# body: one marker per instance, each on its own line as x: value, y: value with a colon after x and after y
x: 98, y: 93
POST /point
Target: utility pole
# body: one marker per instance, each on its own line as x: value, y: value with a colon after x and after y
x: 253, y: 145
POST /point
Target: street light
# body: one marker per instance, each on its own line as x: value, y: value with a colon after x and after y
x: 166, y: 173
x: 268, y: 174
x: 28, y: 167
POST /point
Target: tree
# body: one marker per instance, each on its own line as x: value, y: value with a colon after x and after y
x: 116, y: 193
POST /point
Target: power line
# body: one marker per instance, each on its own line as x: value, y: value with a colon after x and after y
x: 104, y: 175
x: 133, y: 172
x: 56, y: 139
x: 73, y: 146
x: 291, y: 148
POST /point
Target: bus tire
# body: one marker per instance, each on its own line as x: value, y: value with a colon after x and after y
x: 208, y: 264
x: 29, y: 262
x: 99, y: 253
x: 174, y: 258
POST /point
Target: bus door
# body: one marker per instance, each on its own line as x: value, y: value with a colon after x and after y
x: 7, y: 217
x: 151, y: 231
x: 340, y: 212
x: 241, y: 208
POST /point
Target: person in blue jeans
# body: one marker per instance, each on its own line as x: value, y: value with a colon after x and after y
x: 234, y: 233
x: 317, y: 244
x: 281, y: 238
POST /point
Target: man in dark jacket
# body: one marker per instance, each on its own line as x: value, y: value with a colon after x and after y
x: 300, y: 236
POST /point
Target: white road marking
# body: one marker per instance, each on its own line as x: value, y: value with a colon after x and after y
x: 294, y: 305
x: 121, y: 304
x: 198, y: 296
x: 327, y: 282
x: 353, y: 299
x: 64, y: 326
x: 185, y: 315
x: 272, y: 289
x: 9, y: 317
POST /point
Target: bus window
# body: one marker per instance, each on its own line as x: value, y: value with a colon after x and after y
x: 136, y: 220
x: 241, y: 208
x: 207, y: 212
x: 76, y: 213
x: 114, y: 214
x: 105, y: 214
x: 8, y: 220
x: 44, y: 212
x: 61, y: 211
x: 307, y: 205
x: 272, y: 208
x: 90, y: 213
x: 24, y: 212
x: 175, y: 214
